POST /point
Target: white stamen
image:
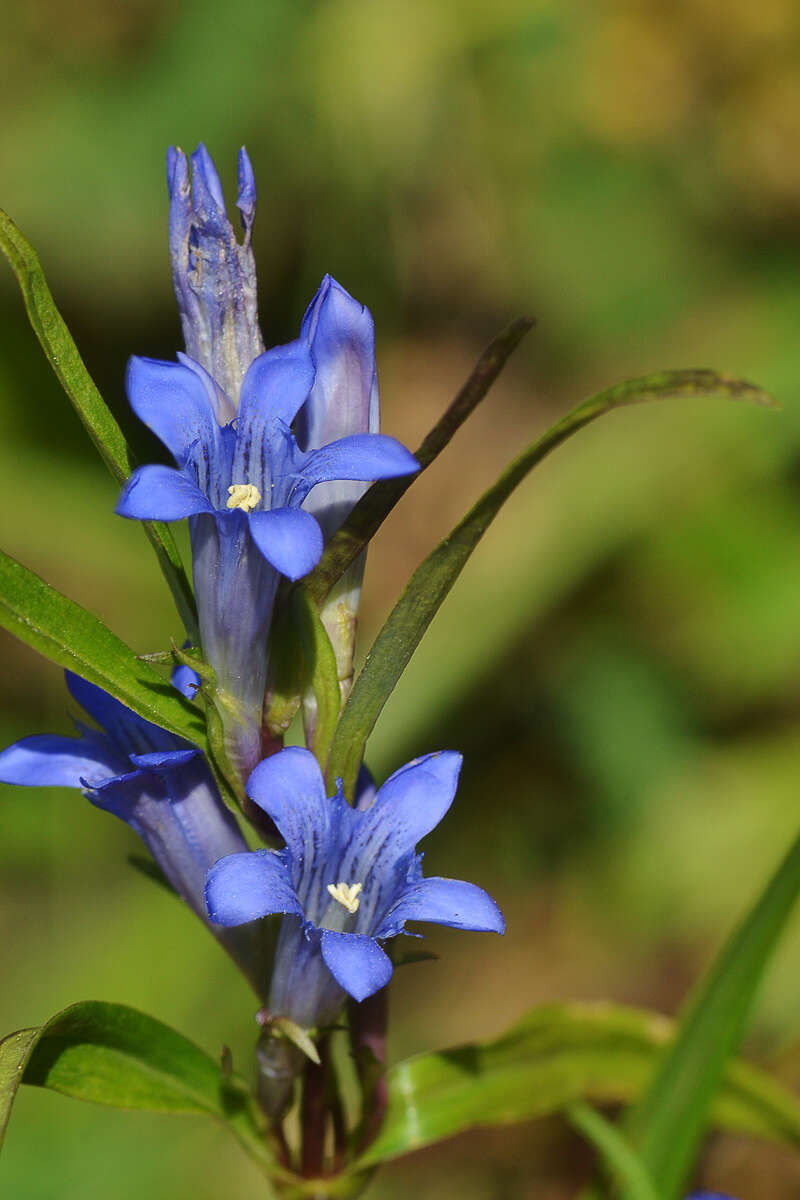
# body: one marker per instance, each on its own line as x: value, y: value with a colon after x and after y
x: 346, y: 894
x: 244, y: 496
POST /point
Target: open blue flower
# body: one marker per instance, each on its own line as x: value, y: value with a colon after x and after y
x: 157, y: 783
x: 242, y: 484
x: 347, y: 880
x: 249, y: 471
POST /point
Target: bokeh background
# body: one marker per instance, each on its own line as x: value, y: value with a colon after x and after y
x: 621, y: 658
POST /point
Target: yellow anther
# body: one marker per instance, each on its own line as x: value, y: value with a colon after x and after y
x: 346, y: 894
x: 244, y: 496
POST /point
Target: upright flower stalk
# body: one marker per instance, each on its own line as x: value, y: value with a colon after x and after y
x: 240, y: 475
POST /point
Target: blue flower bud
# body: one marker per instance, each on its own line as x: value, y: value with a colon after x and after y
x: 213, y: 273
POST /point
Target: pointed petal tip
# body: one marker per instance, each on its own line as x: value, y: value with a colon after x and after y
x: 208, y: 189
x: 285, y: 777
x: 244, y: 887
x: 289, y: 539
x: 357, y: 963
x: 246, y: 201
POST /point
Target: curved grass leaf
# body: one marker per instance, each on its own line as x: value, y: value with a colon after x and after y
x: 557, y: 1055
x: 668, y: 1122
x: 113, y: 1055
x: 433, y: 579
x: 619, y: 1157
x: 70, y: 369
x: 375, y: 505
x: 71, y: 636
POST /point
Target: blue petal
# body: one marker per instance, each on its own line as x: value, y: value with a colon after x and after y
x: 290, y: 789
x: 344, y: 398
x: 186, y: 681
x: 128, y: 731
x: 156, y: 493
x: 244, y: 887
x: 180, y: 209
x: 246, y: 200
x: 276, y: 384
x: 49, y: 761
x: 356, y: 962
x: 101, y: 707
x: 222, y: 406
x: 444, y: 902
x: 364, y: 456
x: 288, y: 538
x: 410, y: 804
x: 174, y: 401
x: 365, y: 789
x: 209, y: 201
x: 163, y: 760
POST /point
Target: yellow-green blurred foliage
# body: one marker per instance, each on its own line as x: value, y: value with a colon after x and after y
x: 621, y: 659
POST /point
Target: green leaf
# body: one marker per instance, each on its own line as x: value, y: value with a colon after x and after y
x: 375, y: 505
x: 618, y: 1156
x: 111, y: 1054
x: 72, y: 637
x: 433, y: 579
x: 556, y: 1055
x: 670, y: 1119
x: 70, y: 369
x: 15, y: 1051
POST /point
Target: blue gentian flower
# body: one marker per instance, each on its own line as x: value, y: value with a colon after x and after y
x: 347, y: 880
x: 214, y: 274
x: 242, y: 484
x: 157, y: 783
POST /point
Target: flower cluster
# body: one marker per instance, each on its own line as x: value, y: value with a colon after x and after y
x: 225, y: 411
x: 271, y: 450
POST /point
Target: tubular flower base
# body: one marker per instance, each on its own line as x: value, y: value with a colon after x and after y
x: 347, y: 880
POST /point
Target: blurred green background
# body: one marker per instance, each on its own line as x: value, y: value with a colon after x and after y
x: 621, y: 658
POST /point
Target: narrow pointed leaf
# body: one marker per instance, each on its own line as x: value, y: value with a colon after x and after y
x: 70, y: 369
x: 74, y: 638
x: 670, y: 1119
x: 433, y: 579
x: 113, y: 1055
x: 557, y: 1055
x: 615, y: 1152
x: 375, y: 505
